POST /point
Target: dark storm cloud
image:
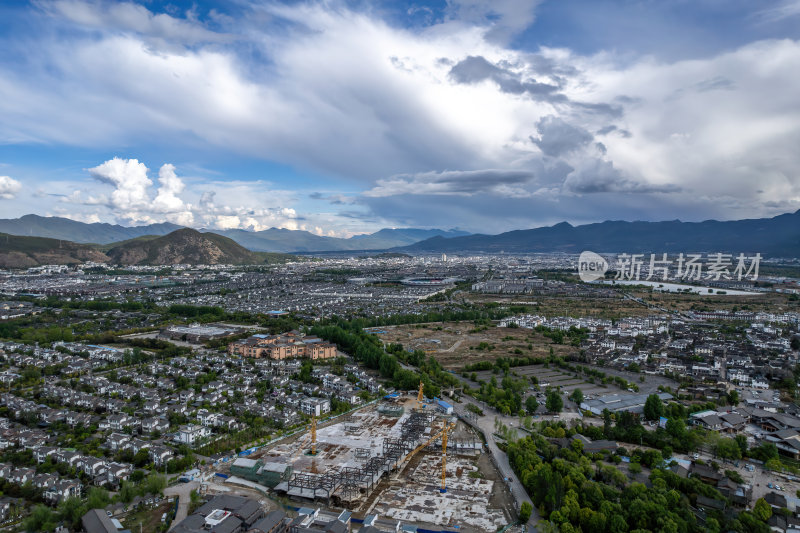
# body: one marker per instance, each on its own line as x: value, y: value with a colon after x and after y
x: 475, y: 69
x: 454, y: 182
x: 493, y: 214
x: 599, y: 176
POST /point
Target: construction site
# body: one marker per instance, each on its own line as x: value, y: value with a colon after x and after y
x: 401, y: 459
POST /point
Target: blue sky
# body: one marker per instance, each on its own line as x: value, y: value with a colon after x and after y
x: 342, y: 117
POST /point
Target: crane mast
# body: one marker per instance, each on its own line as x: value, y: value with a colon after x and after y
x: 313, y: 435
x: 444, y: 458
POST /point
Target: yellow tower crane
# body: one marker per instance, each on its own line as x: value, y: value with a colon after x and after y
x: 444, y: 457
x: 420, y: 396
x: 313, y: 435
x: 435, y: 434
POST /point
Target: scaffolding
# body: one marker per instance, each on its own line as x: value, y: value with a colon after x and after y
x: 363, y: 453
x: 391, y: 410
x: 348, y: 481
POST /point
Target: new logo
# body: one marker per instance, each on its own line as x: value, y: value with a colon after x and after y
x: 591, y: 266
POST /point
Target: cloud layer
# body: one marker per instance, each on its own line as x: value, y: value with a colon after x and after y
x: 450, y: 116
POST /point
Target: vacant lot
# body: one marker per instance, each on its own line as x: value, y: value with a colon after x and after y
x: 455, y: 344
x: 616, y: 308
x: 550, y: 306
x: 770, y: 302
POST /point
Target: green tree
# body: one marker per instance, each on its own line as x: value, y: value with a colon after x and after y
x: 554, y: 402
x: 97, y: 498
x: 41, y: 519
x: 762, y: 510
x: 525, y: 511
x: 653, y: 407
x: 795, y: 343
x: 728, y: 449
x: 71, y: 510
x: 577, y: 396
x: 127, y: 492
x: 733, y: 397
x: 531, y: 405
x: 676, y: 428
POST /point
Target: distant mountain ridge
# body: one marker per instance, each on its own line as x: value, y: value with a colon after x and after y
x: 270, y: 240
x: 778, y: 236
x: 79, y: 232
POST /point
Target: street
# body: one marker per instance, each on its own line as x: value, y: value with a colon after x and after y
x: 486, y: 425
x: 182, y: 492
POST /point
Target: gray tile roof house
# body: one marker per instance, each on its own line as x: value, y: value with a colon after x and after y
x: 96, y: 521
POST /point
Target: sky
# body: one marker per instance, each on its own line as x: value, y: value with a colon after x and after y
x: 344, y: 117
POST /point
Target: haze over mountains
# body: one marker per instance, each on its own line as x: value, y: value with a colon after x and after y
x: 270, y: 240
x: 777, y: 236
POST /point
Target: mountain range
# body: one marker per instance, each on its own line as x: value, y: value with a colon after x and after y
x: 182, y: 246
x: 776, y: 237
x: 269, y: 240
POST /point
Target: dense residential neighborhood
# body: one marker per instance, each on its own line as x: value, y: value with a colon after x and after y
x: 147, y: 397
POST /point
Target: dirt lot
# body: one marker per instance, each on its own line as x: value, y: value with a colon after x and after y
x: 550, y: 306
x: 772, y: 302
x: 455, y: 344
x: 616, y: 308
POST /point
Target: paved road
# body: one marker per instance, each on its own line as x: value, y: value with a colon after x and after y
x: 181, y: 490
x: 500, y: 459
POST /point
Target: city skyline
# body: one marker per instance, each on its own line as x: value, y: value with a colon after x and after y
x: 345, y: 117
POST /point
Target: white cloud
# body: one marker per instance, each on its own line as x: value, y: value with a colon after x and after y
x: 318, y: 86
x: 168, y: 200
x: 9, y: 187
x: 236, y: 205
x: 129, y: 177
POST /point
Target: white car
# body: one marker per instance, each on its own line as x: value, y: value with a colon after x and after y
x: 696, y: 456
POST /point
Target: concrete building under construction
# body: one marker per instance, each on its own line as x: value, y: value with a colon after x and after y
x: 371, y: 462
